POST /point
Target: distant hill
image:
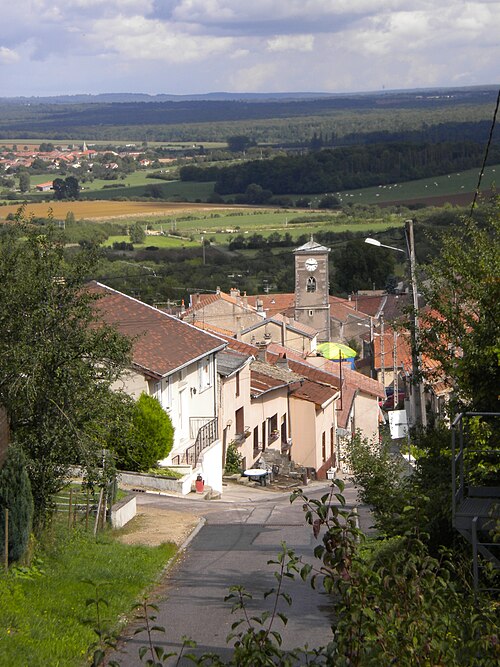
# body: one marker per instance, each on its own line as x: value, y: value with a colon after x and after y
x: 464, y: 94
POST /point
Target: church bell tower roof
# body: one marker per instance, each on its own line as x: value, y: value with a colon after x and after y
x: 312, y: 246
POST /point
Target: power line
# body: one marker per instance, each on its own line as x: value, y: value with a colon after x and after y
x: 490, y: 139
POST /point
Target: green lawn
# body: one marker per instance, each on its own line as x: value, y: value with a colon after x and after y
x: 44, y: 618
x: 221, y: 227
x: 158, y: 241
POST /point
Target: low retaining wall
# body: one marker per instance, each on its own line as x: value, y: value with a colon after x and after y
x: 147, y: 482
x: 123, y: 511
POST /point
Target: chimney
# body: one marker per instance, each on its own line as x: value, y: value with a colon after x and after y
x: 245, y: 299
x: 197, y: 299
x: 282, y: 362
x: 234, y: 292
x: 259, y: 305
x: 183, y: 307
x: 262, y: 347
x: 217, y: 290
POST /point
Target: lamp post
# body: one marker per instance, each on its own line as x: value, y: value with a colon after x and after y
x: 419, y: 414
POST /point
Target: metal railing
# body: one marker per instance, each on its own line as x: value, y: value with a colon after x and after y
x: 459, y: 475
x: 207, y: 434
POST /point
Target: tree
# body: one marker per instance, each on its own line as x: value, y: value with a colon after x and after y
x: 462, y: 326
x: 24, y: 181
x: 16, y: 496
x: 68, y: 188
x: 57, y: 360
x: 150, y: 436
x: 137, y: 233
x: 239, y: 143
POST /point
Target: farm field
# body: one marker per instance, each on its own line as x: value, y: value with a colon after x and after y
x: 221, y: 227
x: 134, y: 179
x: 107, y: 210
x: 428, y: 188
x: 155, y: 241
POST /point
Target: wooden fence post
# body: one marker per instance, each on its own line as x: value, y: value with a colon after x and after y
x: 6, y: 545
x: 70, y: 507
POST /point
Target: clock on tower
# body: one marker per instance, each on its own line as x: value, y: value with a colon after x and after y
x: 312, y: 305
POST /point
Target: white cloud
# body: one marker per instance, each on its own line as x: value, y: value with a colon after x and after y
x: 137, y: 38
x: 8, y: 56
x: 330, y: 45
x: 256, y: 77
x: 291, y: 43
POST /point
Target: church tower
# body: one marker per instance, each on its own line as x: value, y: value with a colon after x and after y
x: 312, y: 304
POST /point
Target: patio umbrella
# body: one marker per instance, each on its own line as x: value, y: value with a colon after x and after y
x: 336, y: 351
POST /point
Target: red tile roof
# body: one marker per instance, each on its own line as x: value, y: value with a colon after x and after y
x: 274, y: 303
x: 162, y: 343
x: 315, y: 393
x: 200, y: 301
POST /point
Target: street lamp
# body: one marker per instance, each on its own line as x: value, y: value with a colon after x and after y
x: 418, y: 387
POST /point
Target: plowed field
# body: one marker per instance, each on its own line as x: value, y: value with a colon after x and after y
x: 106, y: 210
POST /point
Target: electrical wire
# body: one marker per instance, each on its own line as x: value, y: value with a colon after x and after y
x: 490, y: 139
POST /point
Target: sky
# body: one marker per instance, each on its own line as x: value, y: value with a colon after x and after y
x: 56, y: 47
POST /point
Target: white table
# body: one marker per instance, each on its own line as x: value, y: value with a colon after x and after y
x: 257, y: 474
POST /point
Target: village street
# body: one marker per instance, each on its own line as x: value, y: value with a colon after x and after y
x: 240, y: 534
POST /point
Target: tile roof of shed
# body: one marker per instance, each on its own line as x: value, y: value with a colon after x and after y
x: 162, y: 343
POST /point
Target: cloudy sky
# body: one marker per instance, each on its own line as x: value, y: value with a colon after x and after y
x: 50, y: 47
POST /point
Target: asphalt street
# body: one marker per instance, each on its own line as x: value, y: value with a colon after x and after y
x: 242, y: 532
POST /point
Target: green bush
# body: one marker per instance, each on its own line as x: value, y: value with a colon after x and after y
x: 233, y: 460
x: 150, y: 438
x: 16, y: 496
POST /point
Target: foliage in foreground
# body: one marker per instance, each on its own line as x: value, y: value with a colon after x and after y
x: 393, y: 604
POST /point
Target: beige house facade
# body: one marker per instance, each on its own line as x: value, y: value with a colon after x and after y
x: 176, y: 363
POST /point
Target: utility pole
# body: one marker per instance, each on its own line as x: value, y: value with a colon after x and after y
x: 382, y: 351
x: 395, y: 383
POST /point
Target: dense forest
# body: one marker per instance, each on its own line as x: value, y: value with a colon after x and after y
x: 282, y: 121
x: 344, y: 168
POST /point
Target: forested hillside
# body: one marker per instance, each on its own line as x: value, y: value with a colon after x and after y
x: 344, y: 168
x: 289, y: 121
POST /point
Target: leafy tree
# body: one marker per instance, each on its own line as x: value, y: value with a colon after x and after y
x: 329, y: 201
x: 239, y: 143
x: 24, y: 181
x: 462, y: 325
x: 137, y: 233
x: 150, y: 436
x: 56, y: 365
x: 16, y: 496
x: 68, y: 188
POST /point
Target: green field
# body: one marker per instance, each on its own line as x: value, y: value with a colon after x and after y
x: 132, y: 187
x: 223, y: 226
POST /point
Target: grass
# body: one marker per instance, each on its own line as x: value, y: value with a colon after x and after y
x: 44, y: 618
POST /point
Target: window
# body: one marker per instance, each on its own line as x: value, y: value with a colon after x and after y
x: 311, y: 284
x: 157, y: 391
x: 323, y: 446
x: 239, y: 419
x: 205, y: 373
x: 237, y: 384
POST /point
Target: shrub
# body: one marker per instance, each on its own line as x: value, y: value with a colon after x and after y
x: 233, y: 460
x: 150, y: 438
x: 16, y: 496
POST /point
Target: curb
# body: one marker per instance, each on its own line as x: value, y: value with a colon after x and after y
x: 193, y: 534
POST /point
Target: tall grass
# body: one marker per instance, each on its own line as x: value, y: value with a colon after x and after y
x: 44, y: 620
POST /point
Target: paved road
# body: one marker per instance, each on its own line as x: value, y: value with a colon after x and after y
x: 242, y: 533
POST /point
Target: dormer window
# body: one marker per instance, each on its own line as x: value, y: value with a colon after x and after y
x: 311, y: 284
